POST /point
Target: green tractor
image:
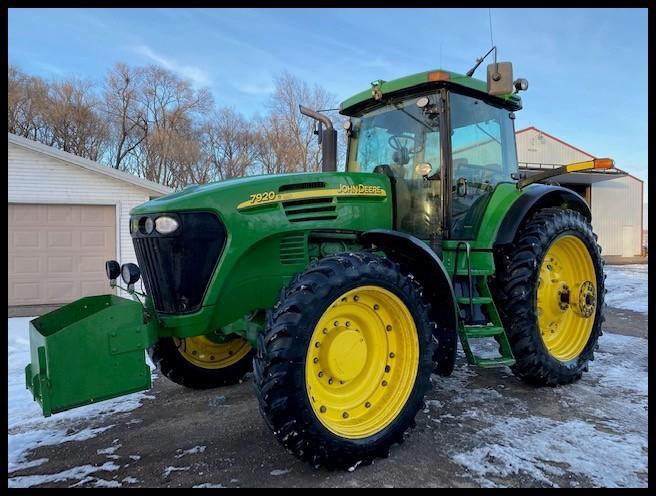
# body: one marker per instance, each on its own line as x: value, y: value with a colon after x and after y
x: 345, y: 291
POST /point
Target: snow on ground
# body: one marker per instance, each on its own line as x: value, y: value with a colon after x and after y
x: 28, y: 429
x: 595, y: 428
x: 627, y: 286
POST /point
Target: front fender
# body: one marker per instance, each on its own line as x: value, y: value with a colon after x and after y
x: 419, y: 260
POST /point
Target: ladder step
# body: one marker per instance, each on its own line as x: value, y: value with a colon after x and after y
x: 473, y: 331
x: 495, y: 362
x: 476, y: 300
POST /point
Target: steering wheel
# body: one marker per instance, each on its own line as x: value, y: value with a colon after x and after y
x: 395, y: 144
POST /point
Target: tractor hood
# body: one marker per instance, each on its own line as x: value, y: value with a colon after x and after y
x: 248, y: 195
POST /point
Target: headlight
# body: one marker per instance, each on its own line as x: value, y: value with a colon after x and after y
x: 146, y: 225
x: 165, y: 224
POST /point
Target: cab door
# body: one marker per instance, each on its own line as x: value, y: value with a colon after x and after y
x: 483, y: 154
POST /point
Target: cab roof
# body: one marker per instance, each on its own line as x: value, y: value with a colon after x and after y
x: 425, y: 80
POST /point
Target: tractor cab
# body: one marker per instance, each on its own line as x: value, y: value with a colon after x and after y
x: 444, y: 141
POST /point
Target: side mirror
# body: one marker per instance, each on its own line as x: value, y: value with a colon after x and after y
x: 500, y: 79
x: 113, y: 270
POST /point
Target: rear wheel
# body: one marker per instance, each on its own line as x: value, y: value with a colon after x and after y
x: 551, y: 295
x: 344, y: 363
x: 201, y: 363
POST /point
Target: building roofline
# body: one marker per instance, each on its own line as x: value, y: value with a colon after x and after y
x: 88, y: 164
x: 556, y: 139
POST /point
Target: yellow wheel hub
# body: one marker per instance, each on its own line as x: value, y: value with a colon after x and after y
x: 207, y: 354
x: 566, y: 298
x: 362, y: 362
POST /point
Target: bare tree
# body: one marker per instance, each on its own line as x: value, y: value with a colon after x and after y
x: 26, y: 99
x: 73, y: 121
x: 152, y: 123
x: 229, y: 144
x: 290, y: 91
x: 170, y: 107
x: 127, y: 120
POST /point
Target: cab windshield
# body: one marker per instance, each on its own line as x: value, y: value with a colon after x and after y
x: 401, y: 140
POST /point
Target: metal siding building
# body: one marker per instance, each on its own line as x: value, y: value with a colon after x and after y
x: 615, y: 197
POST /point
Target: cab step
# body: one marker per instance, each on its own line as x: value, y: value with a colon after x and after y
x: 476, y: 300
x: 483, y: 331
x: 489, y: 363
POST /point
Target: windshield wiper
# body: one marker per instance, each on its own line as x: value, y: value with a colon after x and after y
x: 412, y: 116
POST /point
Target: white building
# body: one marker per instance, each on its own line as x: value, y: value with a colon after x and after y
x: 615, y: 196
x: 66, y: 216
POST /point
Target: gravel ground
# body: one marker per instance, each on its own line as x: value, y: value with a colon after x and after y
x: 478, y: 428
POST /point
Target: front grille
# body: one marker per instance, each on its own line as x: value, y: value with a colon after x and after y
x: 177, y: 267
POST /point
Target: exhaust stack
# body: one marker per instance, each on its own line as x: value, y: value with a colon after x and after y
x: 328, y: 139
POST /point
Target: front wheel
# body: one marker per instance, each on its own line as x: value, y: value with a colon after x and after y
x: 343, y: 365
x: 202, y: 363
x: 551, y: 295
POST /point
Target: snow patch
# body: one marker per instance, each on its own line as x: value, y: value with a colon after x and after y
x: 603, y: 424
x: 80, y: 472
x: 168, y: 470
x: 627, y: 286
x: 191, y: 451
x: 280, y: 471
x: 209, y: 484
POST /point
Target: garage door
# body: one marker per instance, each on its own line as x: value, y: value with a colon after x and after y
x: 57, y: 253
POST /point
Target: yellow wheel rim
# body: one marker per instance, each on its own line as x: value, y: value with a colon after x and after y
x: 207, y: 354
x: 362, y: 362
x: 566, y: 300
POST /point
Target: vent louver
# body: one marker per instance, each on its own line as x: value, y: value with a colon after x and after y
x: 293, y: 249
x: 310, y: 209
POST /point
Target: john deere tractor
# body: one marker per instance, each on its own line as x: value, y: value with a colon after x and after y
x: 345, y: 291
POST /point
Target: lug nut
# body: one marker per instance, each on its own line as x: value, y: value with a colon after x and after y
x: 387, y: 368
x: 317, y: 344
x: 392, y: 355
x: 367, y: 405
x: 322, y: 409
x: 384, y: 383
x: 356, y: 298
x: 315, y: 360
x: 389, y: 328
x: 211, y: 357
x: 348, y: 324
x: 330, y: 381
x: 345, y: 415
x: 320, y: 373
x: 336, y: 323
x: 325, y: 331
x: 376, y: 307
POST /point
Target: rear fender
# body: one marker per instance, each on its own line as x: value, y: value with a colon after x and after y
x: 418, y: 259
x: 533, y: 198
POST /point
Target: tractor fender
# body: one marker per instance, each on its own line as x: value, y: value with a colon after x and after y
x: 417, y: 258
x: 534, y: 198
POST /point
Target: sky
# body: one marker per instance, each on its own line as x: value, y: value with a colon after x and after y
x: 587, y: 68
